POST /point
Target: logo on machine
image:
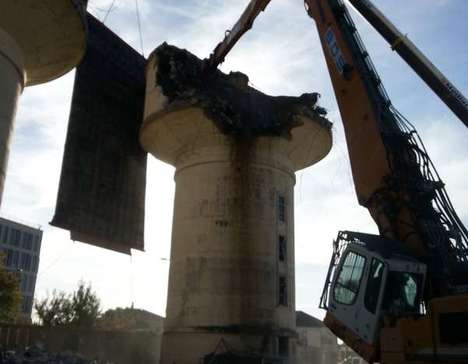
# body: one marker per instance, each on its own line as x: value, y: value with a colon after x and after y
x: 335, y: 51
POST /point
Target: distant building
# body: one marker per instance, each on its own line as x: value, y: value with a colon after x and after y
x: 316, y: 344
x: 21, y: 245
x: 130, y: 319
x: 348, y: 356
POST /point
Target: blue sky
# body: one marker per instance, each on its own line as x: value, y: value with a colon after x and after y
x: 281, y: 55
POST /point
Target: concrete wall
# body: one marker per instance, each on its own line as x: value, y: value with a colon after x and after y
x: 11, y: 86
x: 348, y: 356
x: 316, y: 345
x: 117, y: 347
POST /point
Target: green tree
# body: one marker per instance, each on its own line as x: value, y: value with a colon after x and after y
x: 55, y: 310
x: 82, y: 308
x: 9, y: 293
x: 86, y: 306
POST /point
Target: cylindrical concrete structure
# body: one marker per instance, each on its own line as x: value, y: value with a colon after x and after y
x: 51, y: 35
x: 39, y: 41
x: 11, y: 86
x: 231, y: 277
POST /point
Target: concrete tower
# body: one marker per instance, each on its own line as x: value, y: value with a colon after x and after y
x: 39, y: 41
x: 232, y: 268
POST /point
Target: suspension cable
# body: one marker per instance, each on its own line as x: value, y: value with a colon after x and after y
x: 139, y: 27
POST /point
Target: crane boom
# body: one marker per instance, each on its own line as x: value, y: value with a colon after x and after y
x: 232, y: 36
x: 420, y: 64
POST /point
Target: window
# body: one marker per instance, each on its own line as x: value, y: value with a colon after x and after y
x: 15, y: 237
x: 36, y: 243
x: 26, y: 304
x: 9, y: 258
x: 25, y: 261
x: 283, y: 346
x: 282, y: 248
x: 5, y: 235
x: 24, y: 282
x: 31, y: 284
x: 374, y: 285
x: 349, y: 279
x: 283, y: 292
x: 35, y: 261
x: 27, y: 241
x: 402, y: 292
x: 16, y: 259
x: 281, y: 209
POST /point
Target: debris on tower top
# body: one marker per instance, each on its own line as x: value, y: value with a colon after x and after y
x: 227, y: 99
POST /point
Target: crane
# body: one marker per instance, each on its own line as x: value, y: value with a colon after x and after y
x: 400, y: 297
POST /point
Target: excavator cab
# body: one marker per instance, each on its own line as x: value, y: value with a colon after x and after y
x: 370, y: 279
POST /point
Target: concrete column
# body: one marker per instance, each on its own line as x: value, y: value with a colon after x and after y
x: 225, y: 269
x: 234, y: 203
x: 39, y: 41
x: 12, y: 78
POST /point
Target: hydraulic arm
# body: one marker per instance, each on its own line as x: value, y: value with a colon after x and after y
x: 402, y: 296
x: 243, y: 25
x: 399, y: 42
x: 393, y: 175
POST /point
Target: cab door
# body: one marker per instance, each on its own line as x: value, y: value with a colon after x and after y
x: 356, y: 292
x: 373, y: 293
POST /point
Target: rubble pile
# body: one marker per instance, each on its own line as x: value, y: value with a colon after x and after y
x: 35, y: 355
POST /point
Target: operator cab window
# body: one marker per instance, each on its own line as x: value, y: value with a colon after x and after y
x: 374, y: 284
x: 403, y: 293
x: 347, y: 285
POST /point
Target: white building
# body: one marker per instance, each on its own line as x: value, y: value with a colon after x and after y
x: 21, y: 245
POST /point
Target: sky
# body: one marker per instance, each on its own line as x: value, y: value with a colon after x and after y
x: 282, y: 56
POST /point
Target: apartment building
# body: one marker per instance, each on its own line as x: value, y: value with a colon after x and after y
x: 21, y: 245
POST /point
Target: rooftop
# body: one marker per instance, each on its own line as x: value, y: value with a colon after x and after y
x: 305, y: 320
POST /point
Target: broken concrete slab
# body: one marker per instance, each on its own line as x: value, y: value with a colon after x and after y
x: 235, y: 107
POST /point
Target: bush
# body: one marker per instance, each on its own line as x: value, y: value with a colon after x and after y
x: 82, y: 308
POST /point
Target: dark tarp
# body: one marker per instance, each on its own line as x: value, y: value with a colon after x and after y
x: 101, y: 197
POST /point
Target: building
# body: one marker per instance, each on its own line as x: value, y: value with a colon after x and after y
x: 316, y: 344
x: 348, y: 356
x: 21, y: 245
x: 130, y: 319
x: 232, y: 274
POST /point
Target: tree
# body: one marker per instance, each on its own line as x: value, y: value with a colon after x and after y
x: 86, y: 306
x: 55, y: 310
x: 82, y: 308
x: 9, y: 293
